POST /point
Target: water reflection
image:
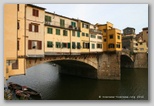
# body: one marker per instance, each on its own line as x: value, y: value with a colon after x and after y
x: 54, y: 86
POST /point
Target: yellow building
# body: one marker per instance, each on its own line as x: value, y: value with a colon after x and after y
x: 96, y: 39
x: 84, y: 27
x: 32, y: 32
x: 111, y: 37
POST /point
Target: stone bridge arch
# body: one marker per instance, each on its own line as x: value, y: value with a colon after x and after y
x: 84, y: 66
x: 87, y: 59
x: 127, y: 60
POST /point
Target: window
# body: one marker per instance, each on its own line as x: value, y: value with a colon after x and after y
x: 111, y: 46
x: 118, y: 45
x: 58, y: 45
x: 93, y: 46
x: 85, y: 25
x: 118, y: 37
x: 78, y: 34
x: 49, y: 30
x: 78, y: 45
x: 35, y: 12
x: 111, y: 36
x: 47, y: 18
x: 69, y: 45
x: 73, y: 45
x: 93, y: 36
x: 65, y: 32
x: 73, y: 33
x: 18, y: 7
x: 18, y: 45
x: 33, y: 44
x: 33, y: 27
x: 73, y: 24
x: 64, y: 45
x: 85, y: 45
x: 15, y: 65
x: 57, y: 31
x: 141, y: 49
x: 136, y: 44
x: 104, y: 30
x: 87, y: 35
x: 18, y: 24
x: 49, y: 44
x: 104, y: 40
x: 141, y: 43
x: 99, y: 45
x: 83, y: 34
x: 62, y: 22
x: 99, y: 37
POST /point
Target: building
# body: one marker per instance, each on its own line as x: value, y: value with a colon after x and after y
x: 111, y: 37
x: 96, y: 39
x: 143, y: 35
x: 36, y: 33
x: 128, y: 31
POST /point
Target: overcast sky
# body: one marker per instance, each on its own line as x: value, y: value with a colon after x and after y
x: 121, y: 15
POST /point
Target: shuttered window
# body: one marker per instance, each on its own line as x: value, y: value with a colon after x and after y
x: 33, y: 44
x: 15, y: 65
x: 33, y: 27
x: 35, y: 12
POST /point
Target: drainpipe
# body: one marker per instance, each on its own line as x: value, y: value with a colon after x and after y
x: 25, y: 41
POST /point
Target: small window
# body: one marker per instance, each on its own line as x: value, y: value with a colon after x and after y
x: 62, y: 23
x: 73, y: 33
x: 35, y: 12
x: 83, y: 34
x: 49, y: 44
x: 18, y: 24
x: 58, y: 45
x: 49, y: 30
x: 93, y: 46
x: 111, y: 36
x: 73, y: 45
x: 57, y: 31
x: 104, y: 40
x: 99, y: 37
x: 47, y: 18
x: 65, y: 45
x: 136, y: 44
x: 111, y: 46
x: 118, y: 37
x: 18, y: 7
x: 33, y: 27
x: 104, y: 30
x: 15, y: 65
x: 87, y: 35
x: 99, y: 45
x: 78, y: 34
x: 65, y: 32
x: 78, y: 45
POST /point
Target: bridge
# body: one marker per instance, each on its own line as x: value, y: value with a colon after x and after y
x: 100, y: 65
x: 94, y: 65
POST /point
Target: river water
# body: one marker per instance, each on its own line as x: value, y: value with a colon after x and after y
x: 45, y: 78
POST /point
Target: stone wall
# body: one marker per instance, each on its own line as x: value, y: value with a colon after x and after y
x: 109, y: 66
x: 141, y: 60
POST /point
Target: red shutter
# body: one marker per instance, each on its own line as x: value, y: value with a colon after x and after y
x: 36, y: 28
x: 39, y: 43
x: 33, y: 12
x: 29, y: 44
x: 37, y: 13
x: 30, y: 27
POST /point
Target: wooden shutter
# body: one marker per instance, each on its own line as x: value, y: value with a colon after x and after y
x: 37, y: 13
x: 29, y: 44
x: 30, y: 27
x: 33, y: 12
x: 36, y: 28
x: 39, y: 43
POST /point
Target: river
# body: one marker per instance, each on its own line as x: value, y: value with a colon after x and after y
x: 45, y: 78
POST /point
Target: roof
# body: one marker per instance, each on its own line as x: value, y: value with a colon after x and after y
x: 145, y: 28
x: 31, y: 5
x: 129, y: 28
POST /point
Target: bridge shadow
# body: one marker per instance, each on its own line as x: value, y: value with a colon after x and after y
x: 76, y: 68
x: 126, y: 62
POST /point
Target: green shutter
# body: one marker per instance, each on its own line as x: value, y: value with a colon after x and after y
x: 69, y: 45
x: 78, y: 34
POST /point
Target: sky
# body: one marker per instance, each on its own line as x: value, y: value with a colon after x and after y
x: 120, y: 15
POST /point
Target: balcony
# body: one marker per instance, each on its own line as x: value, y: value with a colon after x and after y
x: 57, y: 24
x: 95, y: 31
